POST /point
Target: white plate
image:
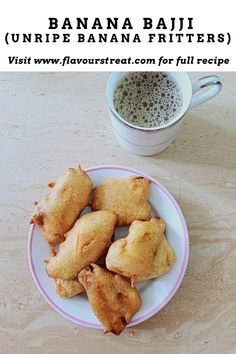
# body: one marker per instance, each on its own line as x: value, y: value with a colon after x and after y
x: 155, y: 293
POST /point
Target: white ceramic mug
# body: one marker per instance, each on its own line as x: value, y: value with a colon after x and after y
x: 150, y: 141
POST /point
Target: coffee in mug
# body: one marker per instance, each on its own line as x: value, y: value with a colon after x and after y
x: 148, y: 99
x: 132, y: 104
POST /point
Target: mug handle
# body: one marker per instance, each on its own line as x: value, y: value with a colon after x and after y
x: 197, y: 85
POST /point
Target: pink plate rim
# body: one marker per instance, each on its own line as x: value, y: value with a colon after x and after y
x: 176, y: 284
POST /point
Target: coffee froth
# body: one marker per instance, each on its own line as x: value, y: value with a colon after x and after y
x: 148, y: 99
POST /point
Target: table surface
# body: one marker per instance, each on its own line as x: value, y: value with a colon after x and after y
x: 51, y: 121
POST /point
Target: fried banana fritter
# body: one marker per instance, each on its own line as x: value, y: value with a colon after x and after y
x: 126, y: 197
x: 56, y: 213
x: 163, y: 260
x: 87, y: 241
x: 68, y: 288
x: 111, y: 297
x: 144, y: 253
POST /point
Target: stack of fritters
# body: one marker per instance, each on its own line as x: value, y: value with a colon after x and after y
x: 143, y: 254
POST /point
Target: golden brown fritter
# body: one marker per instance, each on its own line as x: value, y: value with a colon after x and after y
x: 143, y: 254
x: 68, y: 288
x: 126, y: 197
x: 56, y: 213
x: 163, y: 260
x: 87, y: 241
x: 111, y: 297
